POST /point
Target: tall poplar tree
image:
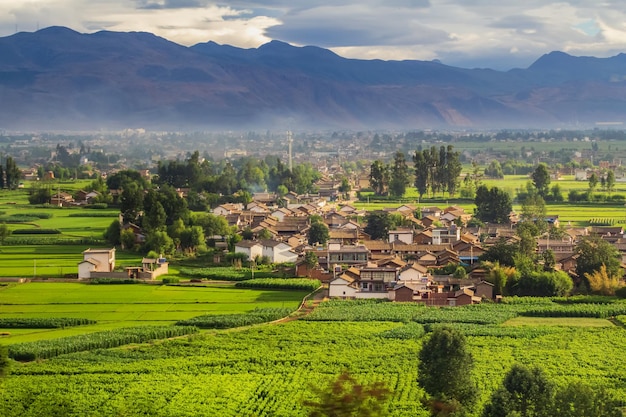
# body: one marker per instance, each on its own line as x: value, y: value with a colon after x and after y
x: 400, y: 175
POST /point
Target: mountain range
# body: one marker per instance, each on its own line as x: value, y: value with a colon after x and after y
x: 57, y: 78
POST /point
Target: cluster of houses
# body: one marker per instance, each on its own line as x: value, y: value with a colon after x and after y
x: 100, y: 263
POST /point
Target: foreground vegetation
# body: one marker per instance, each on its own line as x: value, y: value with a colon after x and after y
x: 268, y: 370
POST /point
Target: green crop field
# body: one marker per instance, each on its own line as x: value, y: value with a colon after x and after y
x: 269, y: 370
x: 114, y: 306
x: 50, y: 261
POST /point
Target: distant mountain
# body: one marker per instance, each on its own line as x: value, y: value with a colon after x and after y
x: 57, y: 78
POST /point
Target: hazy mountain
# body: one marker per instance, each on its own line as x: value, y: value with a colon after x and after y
x: 57, y: 78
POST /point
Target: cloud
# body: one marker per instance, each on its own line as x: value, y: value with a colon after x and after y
x: 469, y: 33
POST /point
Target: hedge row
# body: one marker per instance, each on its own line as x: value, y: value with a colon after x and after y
x: 36, y: 232
x: 42, y: 323
x: 93, y: 214
x: 45, y: 349
x: 301, y: 284
x: 228, y: 321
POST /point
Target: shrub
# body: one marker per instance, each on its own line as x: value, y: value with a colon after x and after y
x: 113, y: 281
x: 302, y: 284
x: 227, y: 321
x: 170, y: 280
x: 42, y: 323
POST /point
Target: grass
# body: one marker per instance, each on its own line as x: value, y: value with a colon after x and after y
x: 558, y: 321
x: 115, y: 306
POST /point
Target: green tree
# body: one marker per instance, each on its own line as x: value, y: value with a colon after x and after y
x: 610, y: 181
x: 549, y: 260
x: 346, y: 397
x: 310, y: 259
x: 453, y: 170
x: 12, y: 174
x: 1, y: 176
x: 112, y: 233
x: 494, y: 170
x: 524, y: 393
x: 318, y: 234
x: 541, y: 179
x: 593, y: 181
x: 444, y: 370
x: 421, y: 173
x: 127, y: 238
x: 593, y: 252
x: 577, y: 399
x: 211, y: 224
x: 400, y: 176
x: 160, y: 242
x: 534, y: 211
x: 131, y: 201
x: 492, y: 205
x: 379, y: 177
x: 265, y: 234
x: 155, y: 218
x: 378, y: 224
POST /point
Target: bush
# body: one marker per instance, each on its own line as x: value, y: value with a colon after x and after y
x: 170, y: 280
x: 83, y: 214
x: 97, y: 206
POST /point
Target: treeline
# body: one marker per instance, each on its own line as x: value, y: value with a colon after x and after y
x: 433, y: 171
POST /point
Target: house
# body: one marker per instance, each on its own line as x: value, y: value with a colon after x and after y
x: 434, y: 211
x: 228, y: 208
x: 346, y: 255
x: 61, y: 199
x: 252, y: 249
x: 277, y: 252
x: 96, y: 260
x: 414, y: 273
x: 443, y: 235
x: 342, y: 287
x: 401, y: 235
x: 151, y: 268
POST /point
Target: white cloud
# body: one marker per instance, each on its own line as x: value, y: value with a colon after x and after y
x: 496, y: 33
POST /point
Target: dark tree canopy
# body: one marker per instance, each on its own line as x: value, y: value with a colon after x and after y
x: 318, y: 234
x: 400, y: 176
x: 378, y: 224
x: 593, y: 252
x: 492, y: 205
x: 541, y: 179
x: 445, y: 367
x: 526, y: 392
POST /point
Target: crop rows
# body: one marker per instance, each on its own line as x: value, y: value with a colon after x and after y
x: 42, y: 323
x: 224, y: 273
x: 601, y: 311
x: 44, y: 349
x: 227, y: 321
x: 299, y: 284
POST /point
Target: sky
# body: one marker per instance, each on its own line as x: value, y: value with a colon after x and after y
x: 498, y: 34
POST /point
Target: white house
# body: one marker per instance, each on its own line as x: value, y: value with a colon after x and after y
x: 278, y: 252
x: 228, y: 208
x: 342, y: 287
x: 251, y: 248
x: 96, y: 260
x: 414, y: 273
x: 401, y: 235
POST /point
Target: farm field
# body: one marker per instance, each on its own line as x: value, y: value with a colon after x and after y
x: 269, y: 370
x: 50, y: 261
x: 115, y: 306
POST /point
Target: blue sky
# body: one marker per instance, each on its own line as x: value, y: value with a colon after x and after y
x: 496, y: 34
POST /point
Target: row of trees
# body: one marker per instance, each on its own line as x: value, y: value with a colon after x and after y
x: 10, y: 175
x: 433, y: 171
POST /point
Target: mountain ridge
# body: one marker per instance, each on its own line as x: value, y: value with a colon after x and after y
x: 57, y: 78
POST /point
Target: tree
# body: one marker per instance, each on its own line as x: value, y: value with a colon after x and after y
x: 345, y: 397
x: 12, y: 174
x: 593, y: 252
x: 4, y: 232
x: 601, y: 282
x: 549, y: 260
x: 534, y: 210
x: 525, y: 392
x: 154, y: 218
x: 577, y: 399
x: 400, y: 176
x: 444, y: 369
x: 453, y: 169
x: 160, y: 242
x: 494, y: 170
x: 131, y: 201
x: 541, y: 179
x: 379, y: 177
x: 421, y: 173
x: 112, y: 233
x: 127, y: 238
x: 493, y: 205
x: 610, y: 181
x: 318, y: 234
x: 1, y: 176
x: 502, y: 252
x: 311, y: 260
x: 593, y: 181
x: 378, y: 225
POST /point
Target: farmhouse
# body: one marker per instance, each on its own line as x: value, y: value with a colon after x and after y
x: 96, y: 260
